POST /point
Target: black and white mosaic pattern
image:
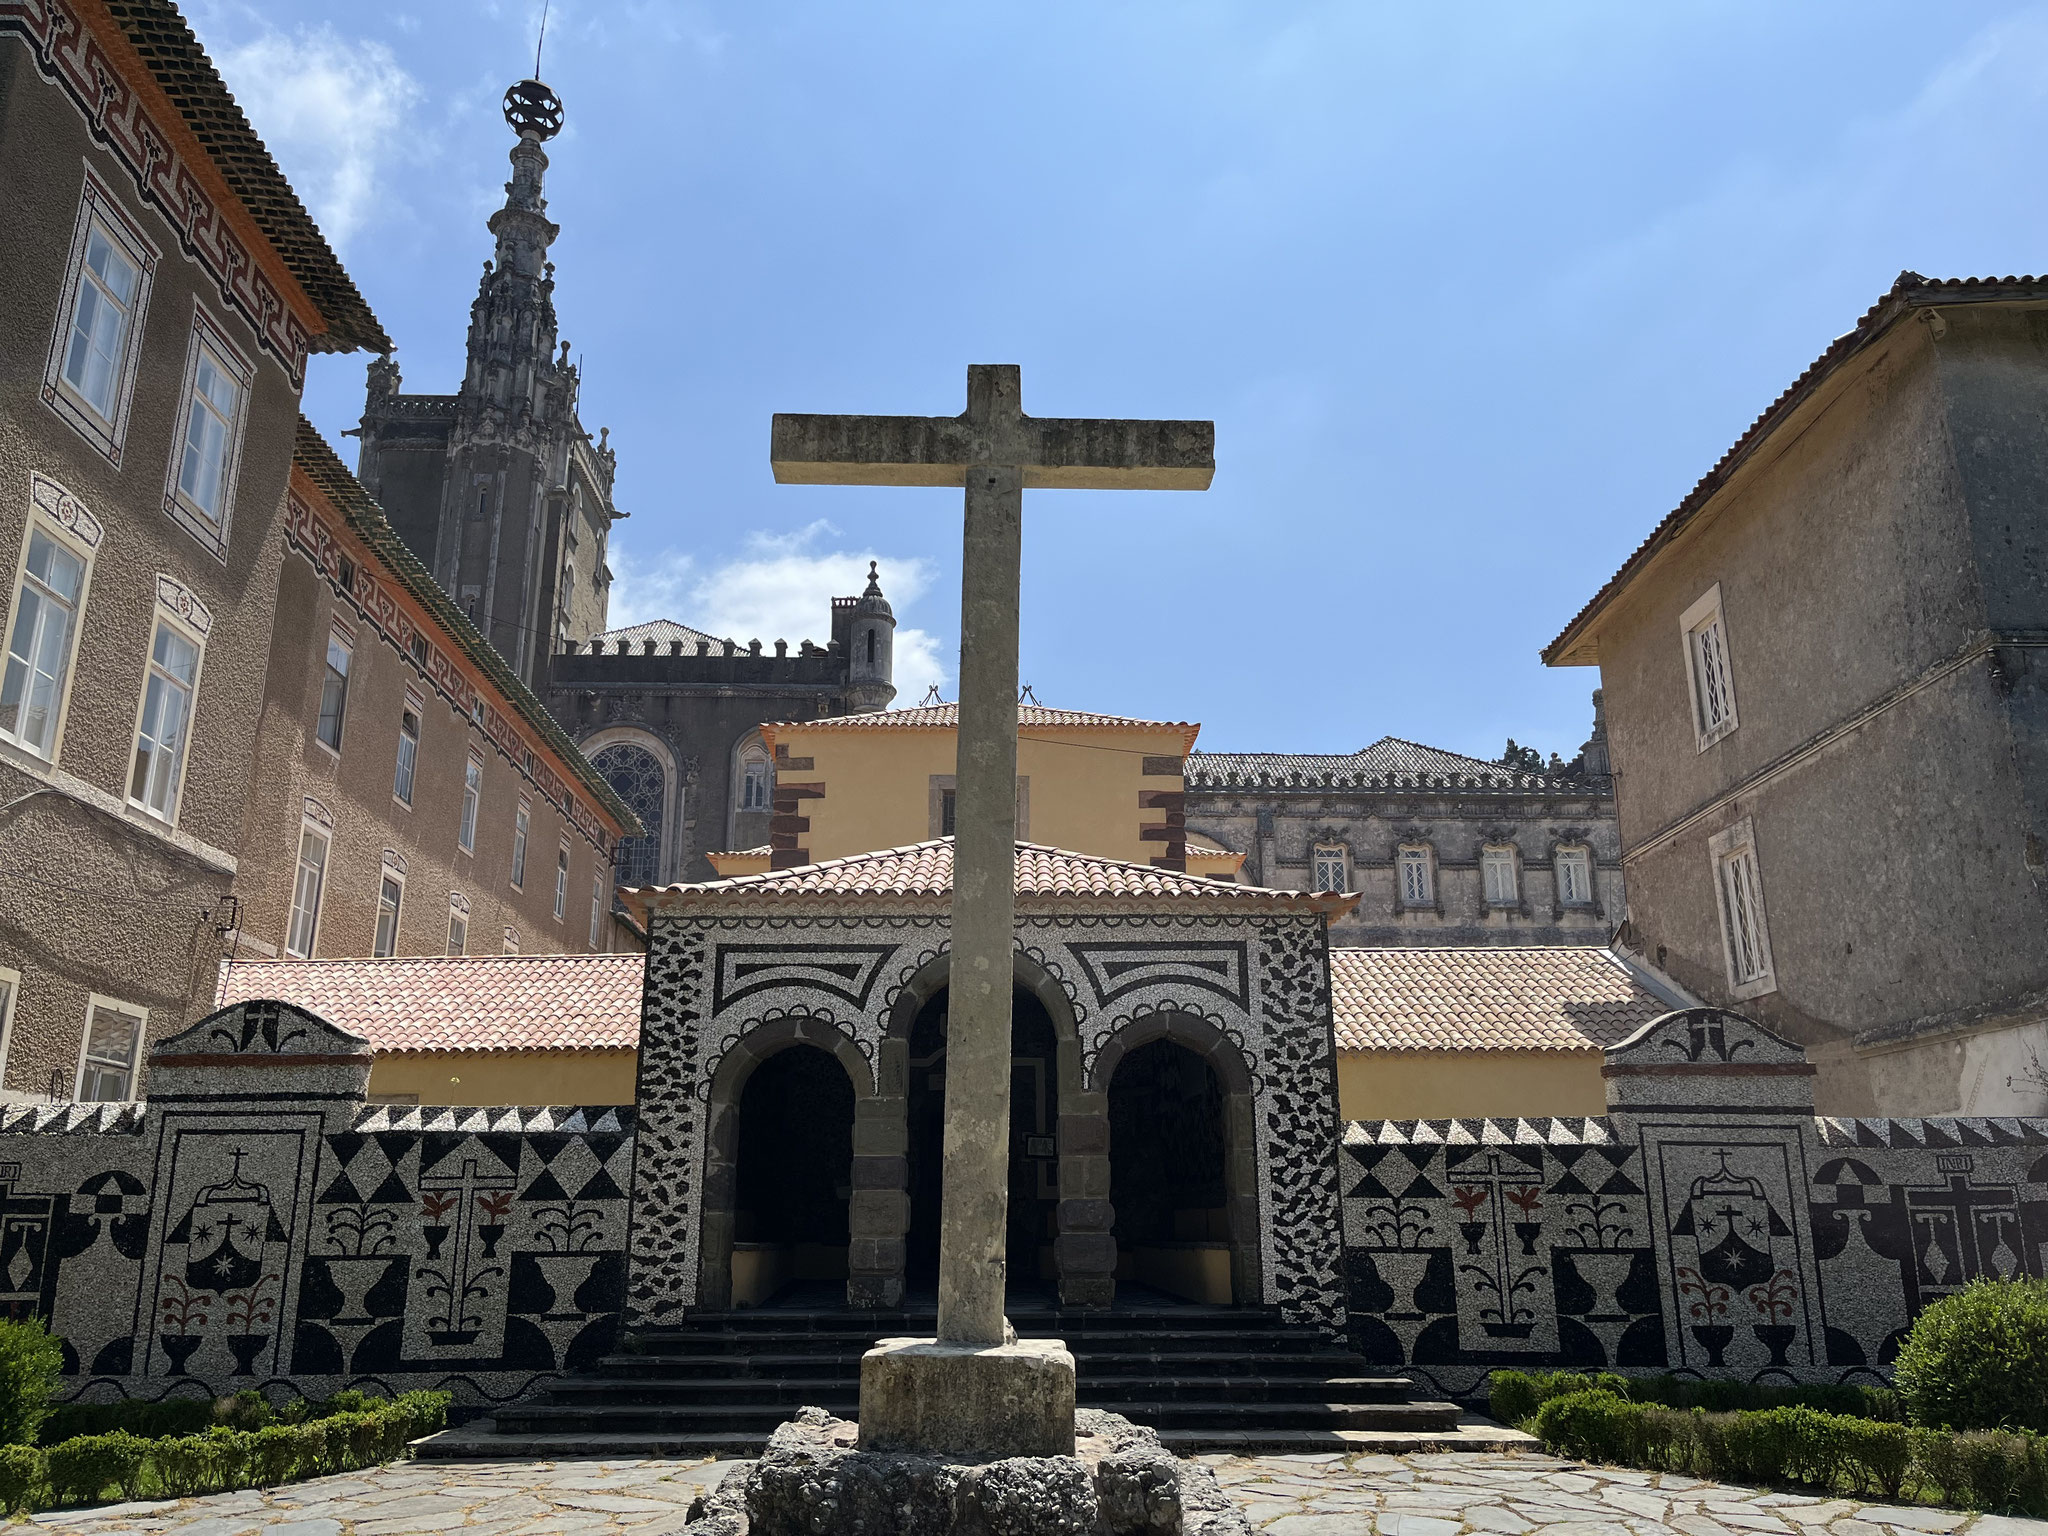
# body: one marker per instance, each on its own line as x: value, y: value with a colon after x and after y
x: 1260, y: 982
x: 258, y: 1225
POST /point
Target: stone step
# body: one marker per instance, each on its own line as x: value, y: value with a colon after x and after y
x: 795, y: 1391
x: 1119, y: 1341
x: 480, y: 1440
x: 612, y: 1419
x: 768, y: 1367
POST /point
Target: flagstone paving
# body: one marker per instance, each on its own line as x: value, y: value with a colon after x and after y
x: 1488, y: 1494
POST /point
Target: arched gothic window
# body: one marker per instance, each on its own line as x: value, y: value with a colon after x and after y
x: 635, y: 773
x: 756, y: 778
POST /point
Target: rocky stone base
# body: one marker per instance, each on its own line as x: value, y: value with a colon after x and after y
x: 814, y: 1481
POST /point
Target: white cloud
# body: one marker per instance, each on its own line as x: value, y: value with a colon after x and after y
x: 331, y: 110
x: 780, y: 588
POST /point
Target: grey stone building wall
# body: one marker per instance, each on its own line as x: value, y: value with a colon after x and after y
x: 668, y: 714
x: 101, y: 898
x: 1278, y: 808
x: 1880, y: 557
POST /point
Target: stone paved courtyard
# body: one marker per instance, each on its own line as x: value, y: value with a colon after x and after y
x: 1487, y: 1494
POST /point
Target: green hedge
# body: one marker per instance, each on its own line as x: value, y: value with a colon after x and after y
x: 1514, y: 1396
x: 1979, y: 1359
x: 2001, y: 1470
x: 346, y: 1434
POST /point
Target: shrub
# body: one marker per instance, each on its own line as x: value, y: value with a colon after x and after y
x: 166, y: 1416
x: 427, y: 1410
x: 86, y: 1467
x: 21, y: 1476
x: 1514, y: 1396
x: 234, y: 1453
x: 186, y: 1465
x: 29, y: 1362
x: 1589, y: 1426
x: 1876, y: 1456
x: 279, y: 1449
x: 1979, y: 1359
x: 247, y: 1409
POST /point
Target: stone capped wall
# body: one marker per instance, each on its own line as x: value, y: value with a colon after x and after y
x: 1708, y: 1225
x: 255, y: 1224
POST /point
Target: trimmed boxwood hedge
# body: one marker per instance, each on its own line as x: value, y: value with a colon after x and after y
x: 220, y: 1458
x: 1606, y: 1419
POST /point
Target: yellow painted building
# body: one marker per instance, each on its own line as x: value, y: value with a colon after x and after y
x: 1098, y: 784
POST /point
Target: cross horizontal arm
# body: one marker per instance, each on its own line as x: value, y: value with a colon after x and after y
x: 1055, y: 453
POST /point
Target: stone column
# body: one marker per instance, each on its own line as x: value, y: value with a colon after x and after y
x: 1085, y: 1251
x: 878, y: 1215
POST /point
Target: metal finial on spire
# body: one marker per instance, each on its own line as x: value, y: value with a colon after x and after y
x: 541, y: 41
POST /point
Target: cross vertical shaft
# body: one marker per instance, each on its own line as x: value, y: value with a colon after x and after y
x: 975, y: 1197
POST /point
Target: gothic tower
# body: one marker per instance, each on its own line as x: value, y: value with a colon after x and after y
x: 497, y: 488
x: 870, y: 649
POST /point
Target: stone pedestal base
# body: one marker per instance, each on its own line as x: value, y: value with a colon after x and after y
x: 932, y: 1399
x: 1119, y: 1482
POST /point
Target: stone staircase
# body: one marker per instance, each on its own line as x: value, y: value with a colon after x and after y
x: 1207, y: 1378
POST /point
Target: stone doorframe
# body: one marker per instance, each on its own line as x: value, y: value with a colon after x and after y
x: 1084, y: 1254
x: 1240, y: 1128
x: 722, y: 1136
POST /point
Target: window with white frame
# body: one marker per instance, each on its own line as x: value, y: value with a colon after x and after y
x: 47, y: 600
x: 106, y: 1058
x: 307, y: 889
x: 458, y: 923
x: 756, y: 788
x: 408, y: 751
x: 390, y: 898
x: 162, y: 727
x: 334, y: 689
x: 521, y: 824
x: 511, y: 941
x: 202, y: 479
x: 1574, y: 877
x: 1331, y: 867
x: 1709, y: 678
x: 596, y: 914
x: 90, y: 377
x: 1745, y: 932
x: 1418, y: 879
x: 561, y: 882
x: 10, y: 994
x: 1503, y: 879
x: 472, y: 795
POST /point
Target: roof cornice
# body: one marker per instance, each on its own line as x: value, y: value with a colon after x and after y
x: 1576, y: 644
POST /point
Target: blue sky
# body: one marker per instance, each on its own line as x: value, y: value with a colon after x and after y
x: 1473, y: 294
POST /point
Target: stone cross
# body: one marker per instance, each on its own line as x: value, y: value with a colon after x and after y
x: 995, y: 451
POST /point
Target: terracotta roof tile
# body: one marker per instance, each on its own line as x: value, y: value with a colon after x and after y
x: 946, y: 717
x: 1519, y: 998
x: 1909, y: 292
x: 926, y: 870
x: 663, y: 632
x: 474, y: 1003
x: 1389, y: 762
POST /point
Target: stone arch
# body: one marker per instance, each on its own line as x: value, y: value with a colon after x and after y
x: 1084, y: 1256
x: 722, y: 1131
x: 630, y: 758
x: 1203, y: 1039
x: 744, y: 823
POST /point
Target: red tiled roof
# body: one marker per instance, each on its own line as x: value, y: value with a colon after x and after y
x: 1911, y: 291
x: 473, y: 1003
x: 946, y: 717
x: 1519, y: 998
x: 1044, y: 875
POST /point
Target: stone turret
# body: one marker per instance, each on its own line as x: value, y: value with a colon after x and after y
x: 498, y: 488
x: 871, y: 648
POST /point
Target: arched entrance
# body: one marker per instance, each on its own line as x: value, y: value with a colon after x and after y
x: 1183, y: 1181
x: 779, y: 1167
x: 794, y: 1176
x: 1034, y: 1159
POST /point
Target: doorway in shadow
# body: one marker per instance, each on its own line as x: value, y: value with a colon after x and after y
x: 1168, y: 1161
x: 794, y: 1175
x: 1034, y: 1159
